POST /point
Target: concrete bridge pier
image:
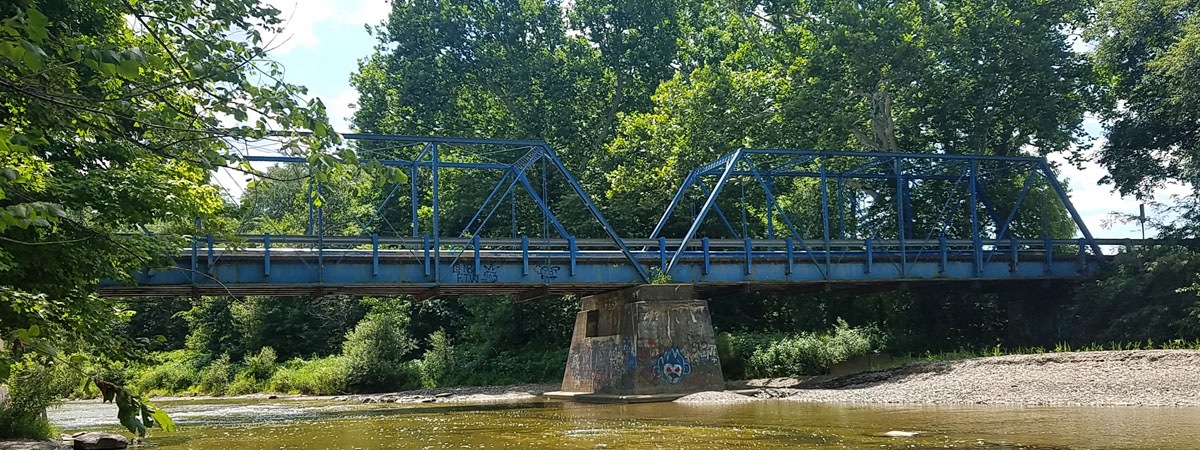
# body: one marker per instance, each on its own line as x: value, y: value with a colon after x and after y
x: 642, y: 344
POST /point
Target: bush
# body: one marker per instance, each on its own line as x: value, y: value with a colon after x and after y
x: 438, y: 361
x: 508, y: 367
x: 215, y: 378
x: 170, y: 373
x: 260, y: 366
x: 759, y: 355
x: 31, y: 391
x: 320, y: 376
x: 375, y: 352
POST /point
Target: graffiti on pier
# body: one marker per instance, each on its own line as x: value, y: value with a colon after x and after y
x: 630, y: 356
x: 464, y: 273
x: 671, y: 366
x: 547, y: 272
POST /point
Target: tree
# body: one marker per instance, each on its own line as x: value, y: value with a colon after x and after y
x: 1148, y: 60
x: 113, y: 113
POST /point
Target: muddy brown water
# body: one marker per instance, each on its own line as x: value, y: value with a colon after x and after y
x: 318, y: 424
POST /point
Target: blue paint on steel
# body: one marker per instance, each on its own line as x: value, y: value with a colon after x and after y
x: 266, y: 254
x: 1062, y: 196
x: 212, y: 260
x: 825, y: 216
x: 574, y: 251
x: 195, y: 259
x: 428, y: 250
x: 898, y: 167
x: 717, y: 209
x: 662, y: 222
x: 416, y: 222
x: 595, y: 212
x: 1013, y: 253
x: 749, y: 257
x: 524, y: 256
x: 870, y: 256
x: 1003, y: 229
x: 791, y: 257
x: 976, y: 242
x: 374, y: 255
x: 1048, y: 244
x: 475, y: 245
x: 541, y: 203
x: 707, y: 256
x: 704, y: 209
x: 437, y: 187
x: 943, y: 254
x: 662, y: 254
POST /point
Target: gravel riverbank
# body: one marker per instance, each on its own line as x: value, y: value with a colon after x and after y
x: 1112, y: 378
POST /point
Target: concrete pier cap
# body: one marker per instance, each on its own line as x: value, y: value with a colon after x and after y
x: 642, y: 344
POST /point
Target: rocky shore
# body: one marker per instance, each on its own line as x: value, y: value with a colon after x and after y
x: 467, y: 394
x: 1112, y: 378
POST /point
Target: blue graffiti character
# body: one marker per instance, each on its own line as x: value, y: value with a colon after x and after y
x: 671, y: 366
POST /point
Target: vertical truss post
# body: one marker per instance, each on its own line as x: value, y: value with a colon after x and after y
x: 707, y: 257
x: 749, y: 247
x: 869, y: 245
x: 1048, y: 242
x: 898, y: 167
x: 524, y: 255
x: 309, y: 226
x: 320, y: 238
x: 770, y: 209
x: 662, y: 254
x: 437, y: 230
x: 475, y: 246
x: 791, y: 256
x: 374, y: 254
x: 412, y: 177
x: 266, y: 254
x: 976, y: 242
x: 825, y: 215
x: 708, y: 204
x: 841, y: 211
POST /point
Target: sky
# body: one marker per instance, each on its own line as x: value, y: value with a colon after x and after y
x: 324, y: 39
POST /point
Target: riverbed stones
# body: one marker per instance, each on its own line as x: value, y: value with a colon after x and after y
x: 24, y: 444
x: 100, y: 441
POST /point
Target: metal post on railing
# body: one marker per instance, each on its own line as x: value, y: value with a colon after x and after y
x: 266, y: 254
x: 870, y: 256
x: 1049, y: 244
x: 572, y: 250
x: 1013, y: 248
x: 524, y: 255
x: 374, y: 255
x: 425, y: 245
x: 212, y: 259
x: 944, y: 252
x: 662, y: 254
x: 704, y: 248
x: 791, y: 256
x: 749, y: 257
x: 478, y: 264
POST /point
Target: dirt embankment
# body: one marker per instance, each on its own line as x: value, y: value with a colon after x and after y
x: 1113, y: 378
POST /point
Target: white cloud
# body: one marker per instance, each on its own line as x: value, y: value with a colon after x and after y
x: 301, y: 18
x: 340, y: 108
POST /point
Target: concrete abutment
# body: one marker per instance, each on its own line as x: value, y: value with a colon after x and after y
x: 641, y: 344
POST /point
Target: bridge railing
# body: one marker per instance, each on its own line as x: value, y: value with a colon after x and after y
x: 208, y: 252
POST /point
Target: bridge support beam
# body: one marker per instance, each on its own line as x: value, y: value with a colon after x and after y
x: 642, y: 344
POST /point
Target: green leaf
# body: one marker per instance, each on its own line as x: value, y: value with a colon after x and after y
x: 128, y: 68
x: 34, y: 331
x: 36, y: 25
x: 78, y: 359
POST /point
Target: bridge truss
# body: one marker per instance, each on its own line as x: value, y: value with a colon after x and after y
x: 461, y: 244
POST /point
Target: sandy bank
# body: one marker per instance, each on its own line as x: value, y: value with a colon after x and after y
x: 1114, y: 378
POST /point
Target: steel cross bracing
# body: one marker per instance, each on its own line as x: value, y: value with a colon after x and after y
x: 853, y: 221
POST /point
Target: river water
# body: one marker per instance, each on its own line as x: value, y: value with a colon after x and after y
x: 321, y: 424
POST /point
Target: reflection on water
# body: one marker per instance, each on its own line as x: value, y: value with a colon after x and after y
x: 296, y: 424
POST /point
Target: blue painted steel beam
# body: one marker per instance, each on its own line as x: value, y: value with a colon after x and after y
x: 1066, y: 200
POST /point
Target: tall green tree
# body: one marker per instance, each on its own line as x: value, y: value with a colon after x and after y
x: 1148, y: 59
x: 113, y: 115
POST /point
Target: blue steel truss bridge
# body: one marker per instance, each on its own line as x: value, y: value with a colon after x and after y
x: 502, y: 217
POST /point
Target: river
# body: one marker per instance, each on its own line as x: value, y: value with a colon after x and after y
x: 245, y: 424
